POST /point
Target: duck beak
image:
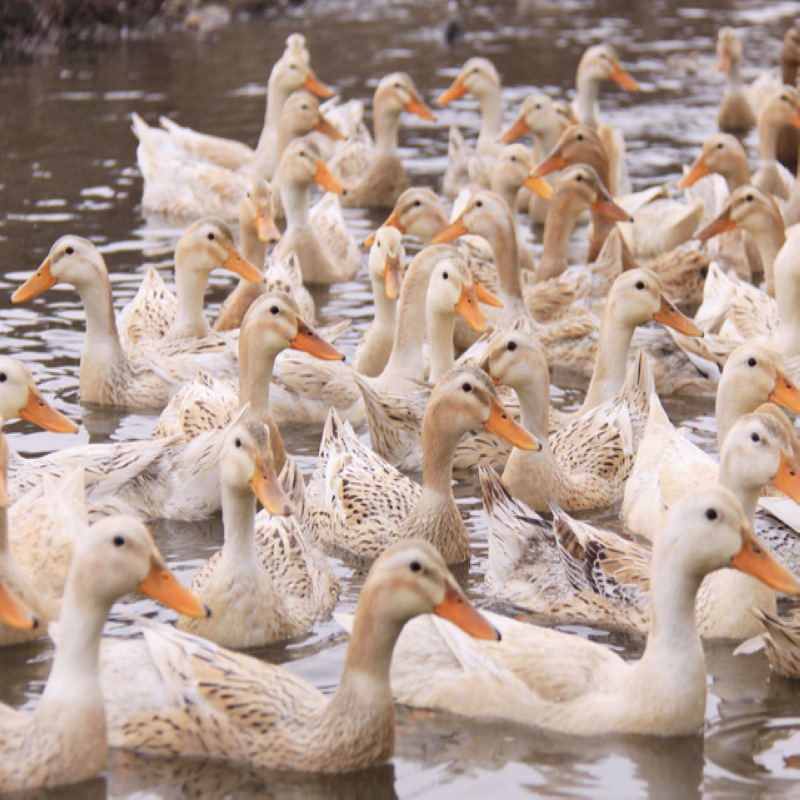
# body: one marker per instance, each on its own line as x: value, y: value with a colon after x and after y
x: 162, y: 585
x: 485, y: 296
x: 238, y: 264
x: 416, y: 106
x: 323, y: 126
x: 13, y: 612
x: 623, y: 78
x: 456, y: 90
x: 699, y: 170
x: 452, y: 231
x: 313, y: 85
x: 756, y: 560
x: 266, y: 228
x: 267, y: 488
x: 393, y: 276
x: 787, y: 478
x: 721, y: 224
x: 310, y: 342
x: 487, y: 368
x: 723, y: 62
x: 39, y: 282
x: 392, y: 222
x: 503, y: 425
x: 469, y: 309
x: 785, y: 393
x: 796, y: 118
x: 554, y: 162
x: 607, y: 208
x: 457, y: 609
x: 519, y: 128
x: 669, y: 315
x: 325, y: 179
x: 41, y: 413
x: 536, y: 183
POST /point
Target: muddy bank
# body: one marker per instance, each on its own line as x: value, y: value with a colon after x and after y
x: 31, y: 26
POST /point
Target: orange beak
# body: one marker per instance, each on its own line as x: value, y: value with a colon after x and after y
x: 238, y: 264
x: 39, y: 282
x: 721, y: 224
x: 519, y: 128
x: 266, y: 228
x: 162, y: 585
x: 536, y: 183
x: 621, y: 77
x: 309, y: 342
x: 554, y: 162
x: 393, y: 276
x: 323, y: 126
x: 787, y: 478
x: 456, y: 90
x: 452, y: 231
x: 267, y: 488
x: 485, y: 296
x: 796, y: 119
x: 469, y: 309
x: 325, y: 179
x: 723, y: 62
x: 699, y: 170
x: 755, y: 560
x: 457, y: 609
x: 416, y: 106
x: 785, y: 393
x: 607, y: 208
x: 13, y: 611
x: 392, y: 222
x: 669, y: 315
x: 41, y: 413
x: 503, y: 425
x: 313, y: 85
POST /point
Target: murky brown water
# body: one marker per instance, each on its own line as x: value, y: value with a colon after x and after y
x: 69, y: 166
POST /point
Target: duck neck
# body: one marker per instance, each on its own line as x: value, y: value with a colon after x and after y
x: 789, y: 71
x: 440, y: 327
x: 101, y: 344
x: 768, y: 133
x: 503, y: 241
x: 733, y: 77
x: 255, y: 374
x: 787, y: 293
x: 586, y: 102
x: 191, y: 288
x: 438, y: 449
x: 611, y: 362
x: 738, y: 175
x: 385, y: 319
x: 253, y: 249
x: 491, y: 122
x: 747, y: 491
x: 295, y: 198
x: 387, y: 128
x: 769, y: 241
x: 558, y: 228
x: 238, y: 523
x: 276, y: 97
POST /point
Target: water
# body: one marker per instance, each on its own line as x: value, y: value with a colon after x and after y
x: 69, y: 166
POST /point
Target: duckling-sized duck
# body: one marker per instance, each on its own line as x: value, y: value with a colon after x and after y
x: 245, y: 710
x: 365, y: 504
x: 374, y: 177
x: 465, y: 167
x: 326, y: 250
x: 735, y: 111
x: 251, y: 609
x: 64, y: 740
x: 386, y: 263
x: 572, y: 685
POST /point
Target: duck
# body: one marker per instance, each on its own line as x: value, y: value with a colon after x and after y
x: 257, y: 229
x: 575, y: 572
x: 780, y: 642
x: 248, y: 711
x: 735, y: 111
x: 566, y: 683
x: 387, y: 259
x: 272, y: 324
x: 374, y: 176
x: 251, y: 608
x: 64, y: 740
x: 667, y: 463
x: 325, y: 249
x: 480, y: 78
x: 353, y: 515
x: 723, y: 154
x: 778, y: 112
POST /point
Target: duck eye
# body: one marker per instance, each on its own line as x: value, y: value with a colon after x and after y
x: 479, y: 204
x: 467, y: 387
x: 119, y: 541
x: 69, y: 251
x: 751, y: 362
x: 210, y: 237
x: 640, y: 285
x: 274, y: 310
x: 512, y: 346
x: 445, y: 276
x: 417, y: 204
x: 749, y: 198
x: 711, y: 513
x: 237, y: 441
x: 3, y: 377
x: 514, y: 159
x: 755, y: 437
x: 579, y: 178
x: 415, y: 566
x: 580, y: 137
x: 719, y: 145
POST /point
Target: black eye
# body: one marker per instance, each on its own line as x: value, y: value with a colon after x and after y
x: 751, y: 362
x: 749, y: 198
x: 512, y: 346
x: 415, y: 566
x: 237, y: 441
x: 210, y: 237
x: 69, y: 251
x: 274, y: 310
x: 579, y: 178
x: 711, y: 513
x: 3, y: 377
x: 640, y: 285
x: 467, y: 387
x: 514, y: 159
x: 445, y: 276
x: 538, y: 106
x: 719, y: 146
x: 755, y: 437
x: 580, y: 137
x: 479, y: 204
x: 119, y: 541
x: 417, y: 204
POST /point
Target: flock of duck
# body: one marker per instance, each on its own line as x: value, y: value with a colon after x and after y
x: 695, y: 567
